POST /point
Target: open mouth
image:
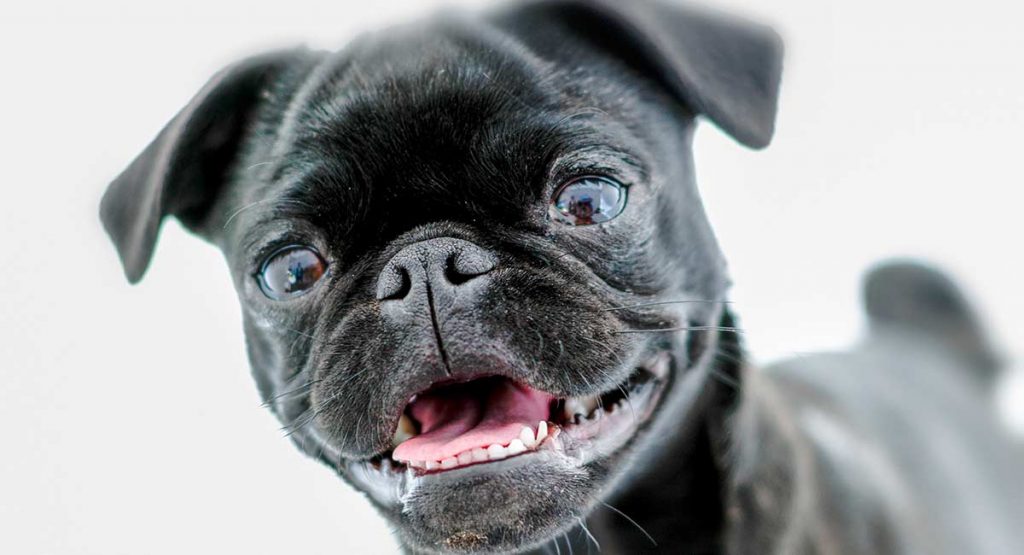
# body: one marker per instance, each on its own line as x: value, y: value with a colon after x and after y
x: 490, y: 419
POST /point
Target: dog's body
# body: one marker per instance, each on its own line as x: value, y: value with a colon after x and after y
x: 414, y: 236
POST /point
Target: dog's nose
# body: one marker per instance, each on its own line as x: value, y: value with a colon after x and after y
x: 441, y: 265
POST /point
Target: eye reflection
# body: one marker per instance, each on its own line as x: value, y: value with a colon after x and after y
x: 290, y: 272
x: 589, y: 200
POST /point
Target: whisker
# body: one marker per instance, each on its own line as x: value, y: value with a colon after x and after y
x: 729, y: 357
x: 295, y: 343
x: 322, y: 406
x: 299, y: 332
x: 271, y: 160
x: 345, y: 382
x: 583, y: 525
x: 660, y: 303
x: 726, y: 380
x: 726, y: 329
x: 631, y: 521
x: 295, y: 391
x: 243, y: 209
x: 283, y: 202
x: 304, y: 417
x: 296, y: 426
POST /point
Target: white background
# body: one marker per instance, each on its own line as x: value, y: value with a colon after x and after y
x: 129, y: 421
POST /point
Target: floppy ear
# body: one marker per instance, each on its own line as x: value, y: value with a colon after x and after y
x: 181, y: 171
x: 724, y: 68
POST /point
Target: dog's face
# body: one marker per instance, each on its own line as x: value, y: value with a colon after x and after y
x: 452, y: 246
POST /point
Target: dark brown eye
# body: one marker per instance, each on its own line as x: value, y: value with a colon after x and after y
x: 290, y: 272
x: 589, y: 200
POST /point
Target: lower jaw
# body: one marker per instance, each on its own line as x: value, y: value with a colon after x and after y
x: 598, y: 437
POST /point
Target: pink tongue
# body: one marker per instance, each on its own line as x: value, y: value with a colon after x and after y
x: 475, y: 414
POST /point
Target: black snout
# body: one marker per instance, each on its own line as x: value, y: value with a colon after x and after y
x: 435, y: 266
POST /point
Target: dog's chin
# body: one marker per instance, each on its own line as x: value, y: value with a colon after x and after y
x: 450, y: 492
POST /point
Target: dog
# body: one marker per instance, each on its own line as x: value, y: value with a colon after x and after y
x: 478, y: 283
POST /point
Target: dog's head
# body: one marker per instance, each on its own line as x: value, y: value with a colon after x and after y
x: 453, y: 245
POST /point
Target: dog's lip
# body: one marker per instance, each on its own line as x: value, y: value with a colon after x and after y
x: 388, y: 482
x: 582, y: 439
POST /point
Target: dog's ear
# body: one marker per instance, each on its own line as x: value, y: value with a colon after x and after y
x: 722, y: 67
x: 181, y: 171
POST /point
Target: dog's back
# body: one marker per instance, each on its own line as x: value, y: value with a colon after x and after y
x: 910, y: 454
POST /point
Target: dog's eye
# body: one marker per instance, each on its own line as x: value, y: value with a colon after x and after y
x: 588, y: 200
x: 291, y: 272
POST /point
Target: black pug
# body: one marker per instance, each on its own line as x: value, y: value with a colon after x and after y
x: 477, y: 282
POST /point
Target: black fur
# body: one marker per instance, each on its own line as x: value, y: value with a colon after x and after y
x: 448, y: 139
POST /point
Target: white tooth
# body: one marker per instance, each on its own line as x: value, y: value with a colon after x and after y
x: 432, y: 465
x: 465, y: 458
x: 414, y: 464
x: 573, y: 407
x: 496, y: 452
x: 526, y: 436
x: 582, y: 406
x: 450, y: 462
x: 516, y: 447
x: 479, y: 454
x: 542, y: 431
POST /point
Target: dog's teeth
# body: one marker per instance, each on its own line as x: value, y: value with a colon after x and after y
x: 542, y: 431
x: 526, y: 436
x: 580, y: 407
x: 527, y: 441
x: 497, y: 452
x: 406, y: 430
x: 479, y: 454
x: 574, y: 406
x: 516, y: 447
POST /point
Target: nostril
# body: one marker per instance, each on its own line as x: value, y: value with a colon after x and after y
x: 464, y: 266
x: 395, y: 285
x: 443, y: 262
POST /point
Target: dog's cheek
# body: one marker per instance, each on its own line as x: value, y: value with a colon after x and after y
x: 277, y: 355
x: 557, y: 330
